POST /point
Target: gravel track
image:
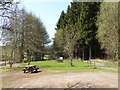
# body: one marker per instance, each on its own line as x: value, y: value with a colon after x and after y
x: 45, y: 79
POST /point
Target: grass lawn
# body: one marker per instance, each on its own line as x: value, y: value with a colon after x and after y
x: 65, y: 66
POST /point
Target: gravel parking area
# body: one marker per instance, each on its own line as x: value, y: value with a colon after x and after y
x: 44, y: 79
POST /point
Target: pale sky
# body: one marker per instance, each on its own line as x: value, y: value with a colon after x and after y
x: 47, y: 10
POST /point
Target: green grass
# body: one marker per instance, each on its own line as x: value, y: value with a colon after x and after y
x: 4, y: 70
x: 65, y: 66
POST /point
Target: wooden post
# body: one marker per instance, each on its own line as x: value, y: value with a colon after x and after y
x: 94, y: 65
x: 88, y: 63
x: 90, y: 54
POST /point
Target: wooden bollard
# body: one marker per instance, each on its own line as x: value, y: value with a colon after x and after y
x: 94, y: 65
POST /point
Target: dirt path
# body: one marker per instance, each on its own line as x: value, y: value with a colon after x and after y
x: 17, y: 79
x: 100, y: 65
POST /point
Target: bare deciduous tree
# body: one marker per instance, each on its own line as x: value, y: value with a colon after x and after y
x: 72, y: 35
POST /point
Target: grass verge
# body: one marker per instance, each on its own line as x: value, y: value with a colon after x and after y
x: 65, y: 66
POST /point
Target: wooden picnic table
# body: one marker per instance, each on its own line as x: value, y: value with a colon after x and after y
x: 30, y: 68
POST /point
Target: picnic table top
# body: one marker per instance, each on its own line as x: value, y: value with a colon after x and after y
x: 30, y: 65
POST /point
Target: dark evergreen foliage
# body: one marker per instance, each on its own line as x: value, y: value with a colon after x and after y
x: 83, y: 16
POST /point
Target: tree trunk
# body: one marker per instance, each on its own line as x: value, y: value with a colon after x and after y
x: 22, y: 46
x: 90, y: 53
x: 21, y: 50
x: 71, y: 63
x: 10, y: 64
x: 71, y: 59
x: 21, y: 54
x: 10, y: 59
x: 5, y: 62
x: 83, y: 54
x: 42, y: 56
x: 28, y: 57
x: 4, y: 59
x: 29, y: 62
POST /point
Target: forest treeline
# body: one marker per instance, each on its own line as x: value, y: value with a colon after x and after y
x: 88, y: 30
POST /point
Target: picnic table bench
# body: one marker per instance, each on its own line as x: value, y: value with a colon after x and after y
x: 30, y: 68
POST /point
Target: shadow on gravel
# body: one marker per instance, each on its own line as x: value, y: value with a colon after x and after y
x: 34, y: 72
x: 38, y: 71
